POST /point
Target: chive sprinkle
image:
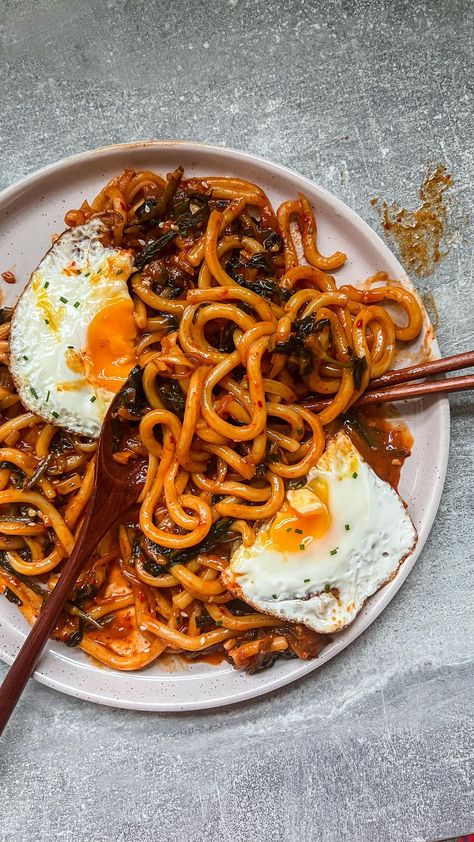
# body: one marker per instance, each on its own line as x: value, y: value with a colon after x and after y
x: 55, y: 414
x: 334, y: 551
x: 46, y: 285
x: 301, y: 546
x: 274, y: 596
x: 26, y: 358
x: 347, y: 527
x: 306, y: 580
x: 354, y: 475
x: 87, y: 274
x: 46, y: 321
x: 299, y: 531
x: 327, y: 588
x: 71, y: 347
x: 77, y: 304
x: 47, y: 396
x: 93, y: 398
x: 64, y: 300
x: 34, y: 392
x: 289, y: 529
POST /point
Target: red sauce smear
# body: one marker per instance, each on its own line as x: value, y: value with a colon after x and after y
x: 382, y: 438
x: 419, y: 234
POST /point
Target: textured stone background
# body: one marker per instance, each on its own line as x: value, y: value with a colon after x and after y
x: 377, y: 745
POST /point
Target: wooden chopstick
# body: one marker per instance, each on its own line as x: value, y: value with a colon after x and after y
x: 395, y: 385
x: 416, y: 372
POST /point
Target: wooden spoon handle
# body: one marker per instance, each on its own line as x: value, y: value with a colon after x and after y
x: 94, y: 528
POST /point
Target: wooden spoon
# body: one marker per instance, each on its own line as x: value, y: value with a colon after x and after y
x: 116, y: 488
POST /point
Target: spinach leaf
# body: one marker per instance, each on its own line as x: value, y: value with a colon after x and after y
x: 262, y: 261
x: 153, y: 249
x: 12, y: 597
x: 132, y: 396
x: 273, y: 242
x: 76, y: 637
x: 265, y: 287
x: 359, y: 367
x: 154, y: 209
x: 171, y: 395
x: 218, y: 534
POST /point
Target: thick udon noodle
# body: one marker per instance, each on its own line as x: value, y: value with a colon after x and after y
x: 239, y: 320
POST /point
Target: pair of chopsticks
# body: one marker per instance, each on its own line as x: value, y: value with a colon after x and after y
x: 397, y: 385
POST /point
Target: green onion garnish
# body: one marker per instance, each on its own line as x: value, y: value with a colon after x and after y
x: 46, y: 285
x: 274, y: 596
x: 306, y: 580
x: 26, y: 358
x: 77, y: 304
x: 64, y: 300
x: 46, y: 321
x: 301, y: 546
x: 93, y: 398
x: 327, y: 588
x: 55, y: 414
x: 47, y: 396
x: 299, y: 531
x: 347, y: 527
x: 289, y: 529
x: 334, y: 551
x: 354, y: 475
x: 34, y: 392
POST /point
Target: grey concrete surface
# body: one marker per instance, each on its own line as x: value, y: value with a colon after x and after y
x: 378, y: 745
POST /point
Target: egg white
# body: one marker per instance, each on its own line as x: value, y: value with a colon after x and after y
x: 325, y: 585
x: 54, y: 313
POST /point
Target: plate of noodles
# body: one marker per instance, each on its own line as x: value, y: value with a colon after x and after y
x: 276, y: 520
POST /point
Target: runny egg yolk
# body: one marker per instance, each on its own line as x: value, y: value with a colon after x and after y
x: 303, y: 518
x: 110, y: 351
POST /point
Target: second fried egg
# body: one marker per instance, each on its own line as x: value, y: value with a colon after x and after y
x: 333, y: 544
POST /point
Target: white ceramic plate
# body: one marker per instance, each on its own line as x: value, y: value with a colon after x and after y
x: 30, y: 212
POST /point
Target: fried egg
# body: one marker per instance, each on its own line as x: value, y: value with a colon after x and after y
x: 333, y: 544
x: 73, y: 332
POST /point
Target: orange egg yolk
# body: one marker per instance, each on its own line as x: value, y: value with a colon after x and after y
x: 110, y: 352
x: 293, y: 532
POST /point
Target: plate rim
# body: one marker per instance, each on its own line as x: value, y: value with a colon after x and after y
x: 387, y: 594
